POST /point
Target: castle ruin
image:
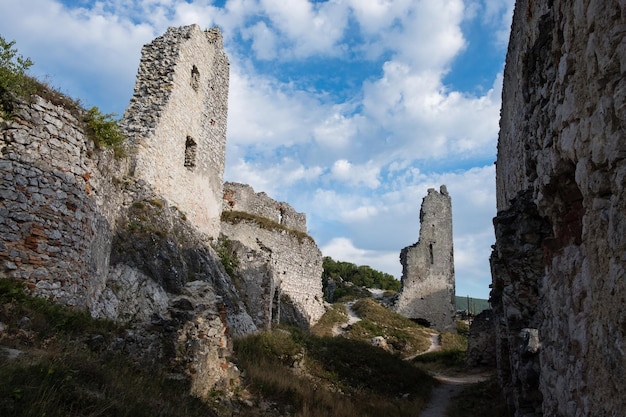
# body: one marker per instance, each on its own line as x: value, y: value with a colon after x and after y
x: 176, y: 121
x: 283, y: 265
x: 428, y: 294
x: 128, y: 238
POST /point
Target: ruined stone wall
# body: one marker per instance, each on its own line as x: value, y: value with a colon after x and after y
x: 241, y: 197
x: 177, y: 121
x: 428, y: 291
x: 481, y: 341
x: 558, y: 264
x: 80, y: 232
x: 57, y: 204
x: 281, y: 270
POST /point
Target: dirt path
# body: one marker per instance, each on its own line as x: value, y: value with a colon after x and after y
x: 352, y: 318
x: 450, y: 387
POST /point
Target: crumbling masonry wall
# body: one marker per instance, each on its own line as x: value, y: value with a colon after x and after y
x: 280, y: 270
x: 241, y: 197
x: 558, y: 265
x: 428, y: 292
x: 176, y: 121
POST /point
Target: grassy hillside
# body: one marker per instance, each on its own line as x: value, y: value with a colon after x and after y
x: 476, y: 305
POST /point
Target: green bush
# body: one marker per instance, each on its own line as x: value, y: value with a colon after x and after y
x: 13, y: 80
x: 104, y: 130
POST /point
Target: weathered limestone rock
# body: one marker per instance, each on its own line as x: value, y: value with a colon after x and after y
x: 558, y: 265
x: 177, y: 121
x: 427, y: 292
x: 281, y: 267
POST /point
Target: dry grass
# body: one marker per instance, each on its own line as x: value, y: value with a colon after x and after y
x: 304, y: 375
x: 403, y: 335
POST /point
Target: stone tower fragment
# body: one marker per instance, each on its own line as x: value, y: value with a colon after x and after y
x: 427, y: 293
x: 177, y: 121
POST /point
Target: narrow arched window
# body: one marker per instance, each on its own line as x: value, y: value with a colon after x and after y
x: 195, y: 78
x: 190, y: 153
x: 432, y: 256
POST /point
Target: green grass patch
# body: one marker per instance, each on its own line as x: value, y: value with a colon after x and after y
x: 43, y: 319
x: 403, y: 335
x: 451, y: 357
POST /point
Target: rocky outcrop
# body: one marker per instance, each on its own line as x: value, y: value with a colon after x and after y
x: 428, y: 289
x: 558, y: 263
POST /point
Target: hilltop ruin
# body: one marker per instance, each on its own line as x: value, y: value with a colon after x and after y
x: 427, y: 294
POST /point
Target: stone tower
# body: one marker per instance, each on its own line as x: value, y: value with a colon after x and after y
x: 427, y: 293
x: 176, y: 121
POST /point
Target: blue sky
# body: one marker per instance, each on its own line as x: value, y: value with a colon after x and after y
x: 349, y: 110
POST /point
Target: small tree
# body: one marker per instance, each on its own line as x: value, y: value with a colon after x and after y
x: 13, y: 79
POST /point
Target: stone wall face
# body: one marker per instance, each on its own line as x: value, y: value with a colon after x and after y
x: 65, y: 208
x: 56, y: 204
x: 481, y: 341
x: 282, y: 270
x: 558, y: 265
x: 241, y: 197
x: 177, y: 121
x: 428, y: 291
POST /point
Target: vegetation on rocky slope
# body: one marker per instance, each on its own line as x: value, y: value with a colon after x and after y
x: 53, y: 363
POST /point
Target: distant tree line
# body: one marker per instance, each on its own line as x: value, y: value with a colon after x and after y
x: 342, y: 279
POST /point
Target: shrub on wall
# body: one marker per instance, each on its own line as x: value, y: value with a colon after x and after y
x: 104, y: 130
x: 15, y: 84
x: 13, y: 80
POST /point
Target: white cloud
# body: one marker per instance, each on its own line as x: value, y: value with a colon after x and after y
x: 308, y: 28
x: 375, y: 16
x: 273, y: 179
x: 336, y: 131
x: 356, y: 175
x: 264, y: 40
x: 267, y: 113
